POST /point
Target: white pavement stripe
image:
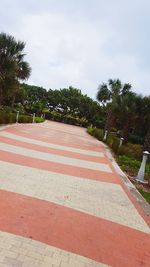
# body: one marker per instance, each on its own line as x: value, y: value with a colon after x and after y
x: 51, y: 145
x: 55, y: 158
x: 104, y: 200
x: 20, y: 251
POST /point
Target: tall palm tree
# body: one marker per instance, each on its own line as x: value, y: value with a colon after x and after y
x: 107, y: 94
x: 127, y: 107
x: 13, y: 68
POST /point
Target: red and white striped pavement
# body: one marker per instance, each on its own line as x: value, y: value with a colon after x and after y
x: 62, y: 204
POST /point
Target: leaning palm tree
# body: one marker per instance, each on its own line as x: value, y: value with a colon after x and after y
x: 107, y: 94
x: 13, y: 68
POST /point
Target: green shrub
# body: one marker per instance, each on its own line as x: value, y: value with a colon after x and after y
x: 128, y: 163
x: 135, y: 139
x: 97, y: 133
x: 66, y: 118
x: 25, y: 119
x: 7, y: 117
x: 99, y: 123
x: 131, y: 166
x: 39, y: 119
x: 90, y: 131
x: 113, y: 142
x: 132, y: 150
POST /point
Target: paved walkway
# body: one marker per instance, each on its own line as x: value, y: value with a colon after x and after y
x: 63, y: 205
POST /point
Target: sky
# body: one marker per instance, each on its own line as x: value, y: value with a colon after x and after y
x: 82, y: 43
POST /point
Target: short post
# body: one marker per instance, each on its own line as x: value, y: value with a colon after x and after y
x: 17, y: 116
x: 105, y: 135
x: 121, y: 141
x: 141, y: 173
x: 33, y: 117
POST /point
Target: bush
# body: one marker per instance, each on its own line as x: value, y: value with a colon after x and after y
x: 8, y: 117
x: 66, y: 118
x: 113, y: 142
x: 128, y: 163
x: 131, y: 166
x: 25, y: 119
x: 97, y: 133
x: 132, y: 150
x: 39, y: 119
x: 135, y: 139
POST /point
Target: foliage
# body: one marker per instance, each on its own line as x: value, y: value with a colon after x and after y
x: 131, y: 165
x: 132, y: 150
x: 128, y: 163
x: 39, y: 119
x: 13, y: 68
x: 113, y: 142
x: 68, y: 104
x: 146, y: 195
x: 66, y: 118
x: 135, y: 139
x: 25, y: 119
x: 147, y: 141
x: 97, y: 133
x: 8, y: 117
x: 108, y: 94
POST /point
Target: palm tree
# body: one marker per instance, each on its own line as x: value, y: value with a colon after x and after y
x: 127, y: 107
x: 108, y: 95
x: 13, y: 68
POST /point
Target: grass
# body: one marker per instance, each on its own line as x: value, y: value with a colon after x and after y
x: 128, y: 157
x: 146, y: 195
x: 131, y: 166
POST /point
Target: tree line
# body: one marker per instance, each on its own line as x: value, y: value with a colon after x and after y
x: 125, y: 110
x: 117, y: 106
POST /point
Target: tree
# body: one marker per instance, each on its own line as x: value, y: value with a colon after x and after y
x: 147, y: 141
x: 107, y: 95
x: 127, y: 107
x: 13, y: 68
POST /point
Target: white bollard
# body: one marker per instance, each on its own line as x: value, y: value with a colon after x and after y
x: 105, y: 135
x: 141, y: 173
x: 121, y: 141
x: 17, y: 117
x: 33, y: 117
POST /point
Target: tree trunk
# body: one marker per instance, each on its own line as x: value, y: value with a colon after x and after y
x: 126, y: 129
x: 147, y: 141
x: 1, y: 97
x: 109, y: 120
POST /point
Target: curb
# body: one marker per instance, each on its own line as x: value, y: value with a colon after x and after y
x: 140, y: 199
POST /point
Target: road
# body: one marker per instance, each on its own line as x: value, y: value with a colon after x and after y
x: 62, y: 204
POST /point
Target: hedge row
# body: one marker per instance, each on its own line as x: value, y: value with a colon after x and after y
x: 130, y: 150
x: 66, y: 118
x: 9, y: 117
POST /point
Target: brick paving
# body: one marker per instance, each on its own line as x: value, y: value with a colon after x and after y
x: 62, y: 203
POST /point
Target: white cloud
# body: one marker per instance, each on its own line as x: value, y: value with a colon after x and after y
x: 82, y: 43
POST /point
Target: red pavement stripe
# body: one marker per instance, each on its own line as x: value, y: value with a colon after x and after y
x: 73, y: 231
x: 58, y: 167
x: 56, y: 140
x: 105, y: 178
x: 133, y: 199
x: 53, y: 151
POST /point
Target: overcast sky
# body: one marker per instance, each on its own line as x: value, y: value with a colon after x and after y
x: 82, y: 42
